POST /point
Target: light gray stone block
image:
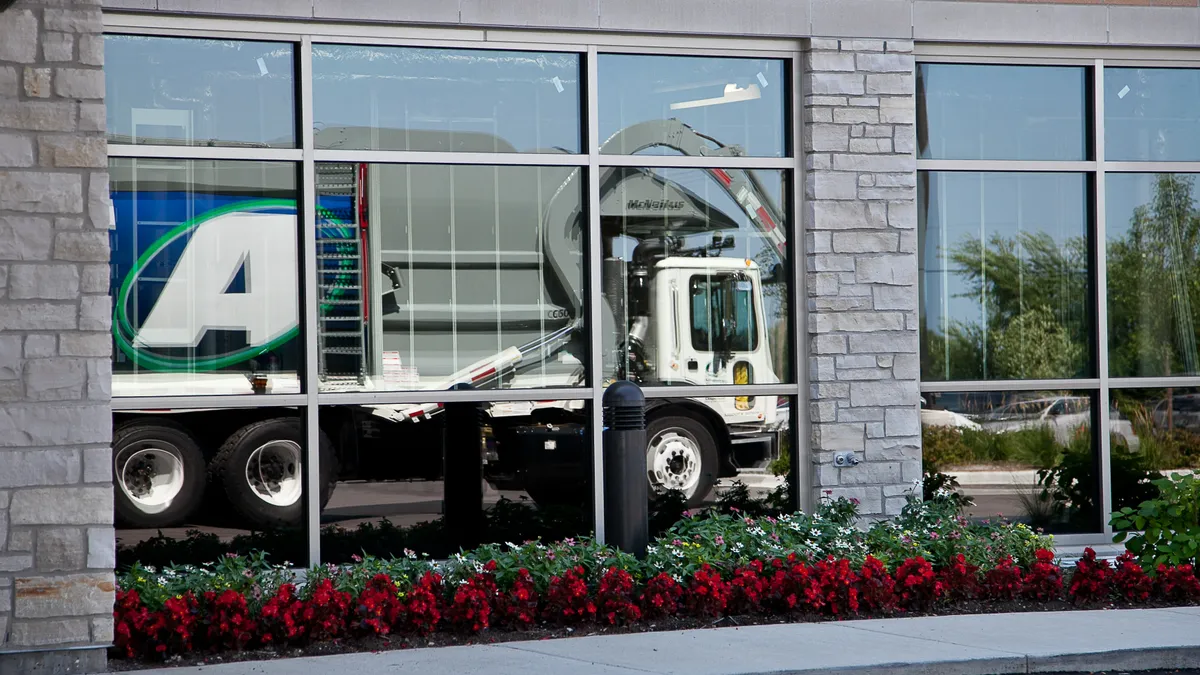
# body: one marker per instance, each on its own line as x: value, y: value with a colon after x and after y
x: 60, y: 549
x: 43, y: 282
x: 19, y: 36
x: 77, y: 505
x: 63, y: 596
x: 25, y: 468
x: 101, y: 548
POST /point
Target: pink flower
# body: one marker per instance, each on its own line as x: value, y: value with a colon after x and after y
x: 720, y: 541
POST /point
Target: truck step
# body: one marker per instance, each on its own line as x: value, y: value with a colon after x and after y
x: 332, y: 301
x: 340, y: 333
x: 343, y: 350
x: 337, y: 256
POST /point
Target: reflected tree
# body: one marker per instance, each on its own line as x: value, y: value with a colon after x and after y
x: 1033, y: 292
x: 1154, y: 284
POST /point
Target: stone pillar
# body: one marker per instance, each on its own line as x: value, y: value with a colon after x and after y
x: 861, y: 252
x: 56, y: 534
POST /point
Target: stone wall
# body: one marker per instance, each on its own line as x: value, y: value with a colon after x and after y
x: 861, y: 250
x: 56, y: 535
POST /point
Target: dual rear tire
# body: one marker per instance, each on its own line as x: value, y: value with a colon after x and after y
x: 161, y: 477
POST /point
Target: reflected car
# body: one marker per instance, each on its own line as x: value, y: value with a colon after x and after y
x: 1064, y: 414
x: 1180, y: 411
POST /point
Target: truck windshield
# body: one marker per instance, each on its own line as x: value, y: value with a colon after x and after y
x: 723, y: 314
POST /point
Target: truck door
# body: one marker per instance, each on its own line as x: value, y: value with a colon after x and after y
x: 722, y: 329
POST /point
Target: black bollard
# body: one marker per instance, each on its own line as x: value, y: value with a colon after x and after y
x: 626, y: 507
x: 463, y: 468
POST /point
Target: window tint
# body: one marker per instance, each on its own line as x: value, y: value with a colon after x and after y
x: 1001, y: 112
x: 177, y: 91
x: 445, y: 100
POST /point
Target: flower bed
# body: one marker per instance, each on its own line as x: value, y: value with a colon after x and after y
x: 788, y: 568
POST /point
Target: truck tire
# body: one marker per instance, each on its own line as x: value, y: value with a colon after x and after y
x: 681, y: 454
x: 158, y: 472
x: 260, y: 470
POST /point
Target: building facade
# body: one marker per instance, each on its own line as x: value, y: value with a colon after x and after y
x: 253, y: 256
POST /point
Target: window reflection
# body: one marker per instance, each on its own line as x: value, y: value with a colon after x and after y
x: 199, y: 92
x: 729, y: 102
x: 1153, y: 230
x: 434, y: 275
x: 700, y: 252
x: 445, y: 100
x: 1150, y: 114
x: 1159, y: 435
x: 1004, y: 276
x: 1001, y: 112
x: 1025, y: 455
x: 204, y: 277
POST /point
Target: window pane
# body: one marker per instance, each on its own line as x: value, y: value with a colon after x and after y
x: 1001, y: 112
x: 445, y: 100
x: 168, y: 510
x: 199, y: 92
x: 1151, y: 114
x: 204, y: 277
x: 1154, y: 433
x: 1004, y: 276
x: 726, y: 102
x: 1028, y: 456
x: 473, y: 274
x: 420, y: 474
x: 1153, y: 230
x: 683, y: 253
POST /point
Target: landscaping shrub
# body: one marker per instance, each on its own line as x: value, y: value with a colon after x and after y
x: 703, y: 567
x: 1164, y: 529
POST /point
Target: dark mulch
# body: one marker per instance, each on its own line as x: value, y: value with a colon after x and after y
x: 117, y: 663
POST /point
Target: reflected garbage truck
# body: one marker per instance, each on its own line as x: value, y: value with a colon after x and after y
x: 206, y: 301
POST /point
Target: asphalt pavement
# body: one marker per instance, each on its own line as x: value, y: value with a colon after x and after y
x: 1110, y: 641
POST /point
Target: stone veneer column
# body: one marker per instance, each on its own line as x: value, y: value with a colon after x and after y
x: 861, y: 252
x: 56, y: 534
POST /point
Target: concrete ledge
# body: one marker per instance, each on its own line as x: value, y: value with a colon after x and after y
x: 55, y: 662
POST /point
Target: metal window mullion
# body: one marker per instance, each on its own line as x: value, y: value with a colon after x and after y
x: 719, y: 390
x: 593, y: 286
x: 1153, y: 382
x: 1101, y: 294
x: 416, y: 397
x: 487, y: 42
x: 1152, y: 167
x: 204, y: 152
x: 799, y: 299
x: 1026, y: 166
x: 702, y: 162
x: 312, y: 429
x: 218, y: 401
x: 1010, y: 385
x: 421, y: 157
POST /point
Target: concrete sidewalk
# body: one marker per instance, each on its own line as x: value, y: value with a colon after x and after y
x: 1135, y: 639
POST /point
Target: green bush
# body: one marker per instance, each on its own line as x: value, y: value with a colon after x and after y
x: 1164, y: 529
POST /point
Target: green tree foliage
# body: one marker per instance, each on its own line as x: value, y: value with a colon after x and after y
x: 1154, y: 284
x: 1035, y: 345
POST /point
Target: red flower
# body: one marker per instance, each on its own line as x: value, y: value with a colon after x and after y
x: 746, y: 589
x: 660, y: 598
x: 518, y: 607
x: 567, y: 599
x: 1044, y: 580
x: 877, y: 589
x: 917, y: 587
x: 1178, y: 583
x: 1003, y: 582
x: 1130, y: 580
x: 470, y: 608
x: 614, y: 597
x: 838, y: 587
x: 423, y: 608
x: 228, y: 619
x: 377, y: 609
x: 708, y: 593
x: 960, y: 580
x: 1092, y: 579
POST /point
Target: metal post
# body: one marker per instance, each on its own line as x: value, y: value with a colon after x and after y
x: 463, y: 466
x: 626, y: 489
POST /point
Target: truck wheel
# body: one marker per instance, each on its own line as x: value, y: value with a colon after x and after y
x: 261, y: 471
x: 681, y: 454
x: 158, y: 470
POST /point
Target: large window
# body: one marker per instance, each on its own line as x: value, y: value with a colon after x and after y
x: 1060, y: 239
x: 373, y: 293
